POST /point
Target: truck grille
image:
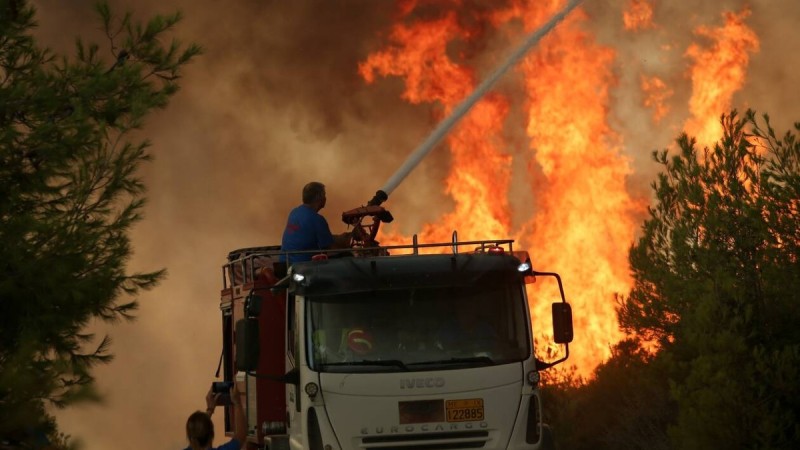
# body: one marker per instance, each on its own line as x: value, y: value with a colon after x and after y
x: 428, y: 441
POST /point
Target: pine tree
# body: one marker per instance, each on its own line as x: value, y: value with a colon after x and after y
x: 717, y: 286
x: 69, y: 194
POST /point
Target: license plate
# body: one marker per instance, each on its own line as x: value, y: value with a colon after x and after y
x: 467, y: 410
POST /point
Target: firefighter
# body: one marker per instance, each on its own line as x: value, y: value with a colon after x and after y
x: 307, y: 229
x: 200, y: 429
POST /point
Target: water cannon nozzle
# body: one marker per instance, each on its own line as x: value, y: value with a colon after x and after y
x: 379, y: 198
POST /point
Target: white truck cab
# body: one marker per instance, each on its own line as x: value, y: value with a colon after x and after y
x: 390, y: 352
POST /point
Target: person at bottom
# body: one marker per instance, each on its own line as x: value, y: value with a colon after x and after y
x: 200, y: 428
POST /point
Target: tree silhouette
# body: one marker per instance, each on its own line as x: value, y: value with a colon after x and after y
x: 69, y: 194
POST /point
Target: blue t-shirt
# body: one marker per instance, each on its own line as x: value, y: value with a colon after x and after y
x: 233, y: 444
x: 305, y: 229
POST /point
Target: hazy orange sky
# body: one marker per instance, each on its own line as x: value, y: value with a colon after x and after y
x: 277, y: 100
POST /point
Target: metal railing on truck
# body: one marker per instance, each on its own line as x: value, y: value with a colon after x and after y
x: 243, y: 264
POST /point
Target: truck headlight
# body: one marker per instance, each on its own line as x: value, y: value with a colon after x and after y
x: 312, y: 390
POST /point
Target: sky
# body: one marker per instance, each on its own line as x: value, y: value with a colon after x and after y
x: 277, y: 100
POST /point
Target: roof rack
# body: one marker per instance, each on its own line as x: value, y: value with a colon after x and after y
x: 243, y: 264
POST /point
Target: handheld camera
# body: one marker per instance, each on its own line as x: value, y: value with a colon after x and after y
x: 223, y: 388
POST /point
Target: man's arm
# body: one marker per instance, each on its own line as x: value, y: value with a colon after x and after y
x: 211, y: 402
x: 327, y: 240
x: 342, y: 240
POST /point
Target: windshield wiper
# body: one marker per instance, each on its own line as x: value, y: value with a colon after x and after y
x: 370, y: 362
x: 465, y: 360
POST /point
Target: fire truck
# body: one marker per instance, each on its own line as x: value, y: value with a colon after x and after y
x: 409, y: 347
x: 418, y: 346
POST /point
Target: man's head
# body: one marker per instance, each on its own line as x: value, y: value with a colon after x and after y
x: 314, y: 195
x: 200, y: 430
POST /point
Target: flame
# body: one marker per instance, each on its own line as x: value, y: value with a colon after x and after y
x: 638, y: 15
x: 718, y: 72
x: 479, y: 178
x: 583, y: 225
x: 656, y: 94
x: 582, y: 220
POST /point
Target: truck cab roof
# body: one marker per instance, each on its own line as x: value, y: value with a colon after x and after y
x: 336, y: 276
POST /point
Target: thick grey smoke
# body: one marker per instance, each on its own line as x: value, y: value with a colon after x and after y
x: 276, y: 101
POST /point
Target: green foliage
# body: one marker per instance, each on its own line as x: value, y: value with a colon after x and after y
x: 717, y: 292
x: 625, y: 406
x: 69, y: 194
x: 717, y: 286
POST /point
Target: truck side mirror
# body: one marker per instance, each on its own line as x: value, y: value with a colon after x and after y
x: 562, y: 323
x: 247, y: 347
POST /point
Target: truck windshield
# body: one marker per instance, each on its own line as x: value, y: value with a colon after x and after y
x: 417, y: 329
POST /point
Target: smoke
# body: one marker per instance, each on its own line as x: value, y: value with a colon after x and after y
x: 276, y: 101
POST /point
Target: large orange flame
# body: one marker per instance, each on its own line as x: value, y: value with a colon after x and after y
x: 582, y: 220
x: 479, y: 177
x: 718, y: 71
x: 583, y: 225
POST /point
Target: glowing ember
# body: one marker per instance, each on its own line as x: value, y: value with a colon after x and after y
x: 638, y: 15
x: 718, y: 71
x: 656, y: 94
